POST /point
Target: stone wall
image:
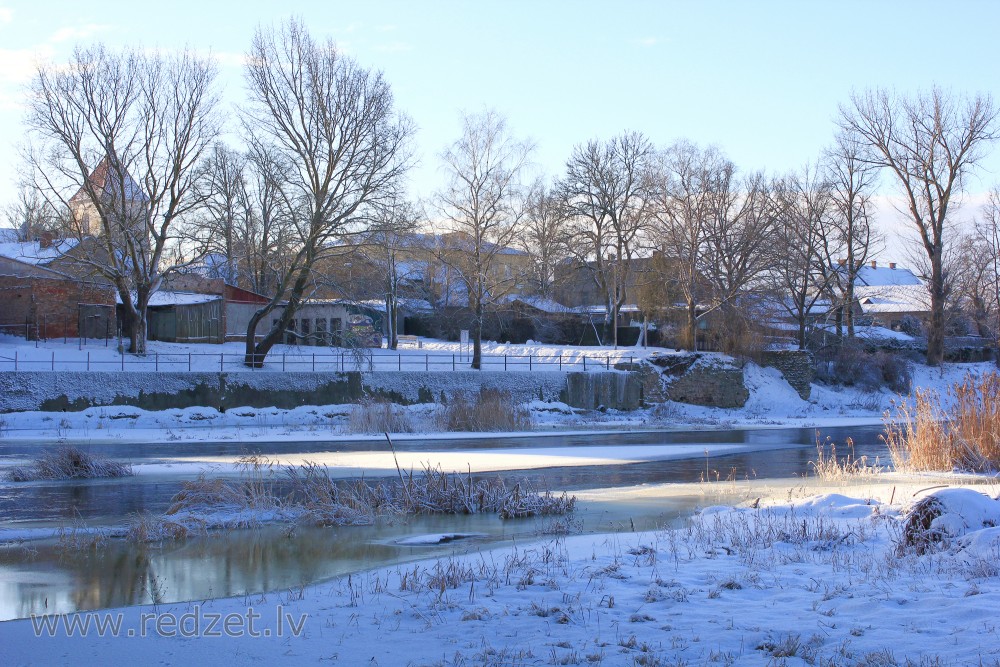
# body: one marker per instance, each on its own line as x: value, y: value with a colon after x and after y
x: 68, y: 390
x: 795, y: 365
x: 697, y: 379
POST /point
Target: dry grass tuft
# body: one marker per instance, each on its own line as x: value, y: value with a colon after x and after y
x: 147, y: 527
x: 307, y: 494
x: 925, y: 436
x: 70, y: 463
x: 489, y: 410
x: 828, y: 466
x: 379, y: 416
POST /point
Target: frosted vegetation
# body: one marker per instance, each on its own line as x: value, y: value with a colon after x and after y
x: 69, y: 463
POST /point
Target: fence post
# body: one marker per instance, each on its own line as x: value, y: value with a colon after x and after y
x: 53, y: 359
x: 156, y: 361
x: 427, y: 362
x: 88, y: 360
x: 189, y: 362
x: 529, y: 361
x: 607, y: 362
x: 15, y: 360
x: 314, y: 362
x: 123, y: 360
x: 505, y: 362
x: 222, y: 359
x: 399, y: 362
x: 453, y: 362
x: 584, y: 362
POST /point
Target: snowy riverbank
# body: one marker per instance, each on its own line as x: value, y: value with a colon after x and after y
x: 824, y: 579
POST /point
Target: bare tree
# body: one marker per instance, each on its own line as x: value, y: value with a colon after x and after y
x: 606, y: 192
x: 980, y: 281
x: 225, y: 215
x: 31, y: 215
x: 332, y: 123
x: 387, y: 247
x: 242, y: 225
x: 851, y: 178
x: 118, y: 138
x: 481, y: 205
x: 686, y: 196
x: 544, y: 237
x: 806, y: 240
x: 929, y: 142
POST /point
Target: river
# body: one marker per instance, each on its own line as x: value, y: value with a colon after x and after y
x: 45, y: 576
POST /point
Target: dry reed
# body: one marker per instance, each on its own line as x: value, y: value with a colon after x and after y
x: 925, y: 436
x: 488, y: 410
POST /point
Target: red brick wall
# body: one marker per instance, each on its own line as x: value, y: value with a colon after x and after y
x: 51, y: 307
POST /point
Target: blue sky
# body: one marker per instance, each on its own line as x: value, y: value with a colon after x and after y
x: 760, y: 79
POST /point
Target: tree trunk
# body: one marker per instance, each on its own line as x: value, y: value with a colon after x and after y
x: 692, y: 326
x: 935, y: 334
x: 477, y: 338
x: 391, y: 314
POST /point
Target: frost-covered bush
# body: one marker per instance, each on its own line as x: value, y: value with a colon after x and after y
x: 70, y: 463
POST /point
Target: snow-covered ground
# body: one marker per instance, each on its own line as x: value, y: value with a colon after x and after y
x: 820, y: 580
x: 799, y: 579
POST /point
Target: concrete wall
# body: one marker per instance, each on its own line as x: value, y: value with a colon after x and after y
x: 69, y: 390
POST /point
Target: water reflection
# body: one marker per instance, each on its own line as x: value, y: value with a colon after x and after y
x: 48, y: 578
x: 45, y: 578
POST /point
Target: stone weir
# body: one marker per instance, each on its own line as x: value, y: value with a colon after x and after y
x: 55, y: 391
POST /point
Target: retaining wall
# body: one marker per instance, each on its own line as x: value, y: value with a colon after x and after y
x: 71, y: 390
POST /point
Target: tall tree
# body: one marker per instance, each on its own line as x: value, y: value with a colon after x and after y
x: 544, y: 236
x: 805, y: 242
x: 689, y: 180
x: 606, y: 193
x: 242, y: 223
x: 333, y: 124
x: 851, y: 179
x: 482, y: 206
x: 929, y: 143
x: 119, y: 136
x: 388, y: 247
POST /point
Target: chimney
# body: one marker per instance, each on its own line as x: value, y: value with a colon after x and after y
x: 892, y: 265
x: 874, y: 264
x: 45, y: 240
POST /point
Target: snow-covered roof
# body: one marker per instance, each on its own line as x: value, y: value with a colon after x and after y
x: 542, y: 304
x: 31, y: 252
x: 893, y: 299
x: 886, y: 276
x: 167, y: 298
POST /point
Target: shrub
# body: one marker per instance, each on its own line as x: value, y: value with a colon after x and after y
x: 852, y: 366
x: 489, y: 410
x: 70, y: 463
x: 922, y: 435
x: 374, y: 415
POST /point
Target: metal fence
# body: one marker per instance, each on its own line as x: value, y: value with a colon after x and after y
x: 42, y: 360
